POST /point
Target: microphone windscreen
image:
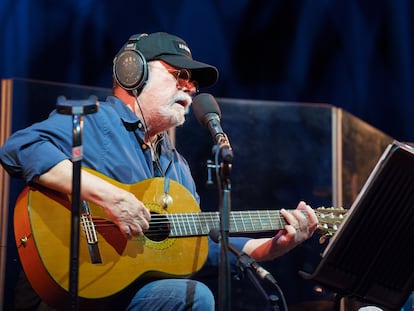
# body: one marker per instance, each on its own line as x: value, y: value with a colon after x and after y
x: 204, y: 104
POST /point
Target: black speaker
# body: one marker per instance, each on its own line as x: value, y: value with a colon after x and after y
x: 130, y: 68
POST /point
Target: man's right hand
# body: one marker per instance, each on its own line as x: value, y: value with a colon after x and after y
x: 121, y: 206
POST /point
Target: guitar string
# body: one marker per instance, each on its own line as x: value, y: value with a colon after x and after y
x: 236, y: 215
x: 102, y: 223
x: 240, y: 217
x: 164, y: 233
x: 182, y: 222
x: 251, y: 216
x: 184, y: 225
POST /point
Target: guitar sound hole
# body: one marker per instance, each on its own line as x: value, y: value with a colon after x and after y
x: 159, y: 228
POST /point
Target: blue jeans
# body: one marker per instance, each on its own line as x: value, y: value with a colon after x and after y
x: 174, y: 295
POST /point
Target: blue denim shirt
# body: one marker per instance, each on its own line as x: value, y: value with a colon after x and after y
x: 112, y: 140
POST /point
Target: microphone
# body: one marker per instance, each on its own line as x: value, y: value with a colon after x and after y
x: 243, y: 257
x: 208, y: 113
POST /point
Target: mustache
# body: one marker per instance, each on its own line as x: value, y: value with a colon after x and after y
x: 183, y: 98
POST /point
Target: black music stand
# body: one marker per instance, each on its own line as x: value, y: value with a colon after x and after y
x: 371, y: 257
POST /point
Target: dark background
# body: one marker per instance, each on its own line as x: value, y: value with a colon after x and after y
x: 352, y: 54
x: 355, y: 55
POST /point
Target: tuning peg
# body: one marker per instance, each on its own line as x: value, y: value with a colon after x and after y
x: 324, y: 237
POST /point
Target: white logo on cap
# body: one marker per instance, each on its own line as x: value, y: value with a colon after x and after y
x: 184, y: 47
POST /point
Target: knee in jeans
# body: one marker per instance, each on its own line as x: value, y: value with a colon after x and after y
x: 203, y: 295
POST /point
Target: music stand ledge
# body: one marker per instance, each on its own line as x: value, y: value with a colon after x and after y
x: 371, y: 257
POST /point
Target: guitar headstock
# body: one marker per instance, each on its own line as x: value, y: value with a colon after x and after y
x: 329, y: 221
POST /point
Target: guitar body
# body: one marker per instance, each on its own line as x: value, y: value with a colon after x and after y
x: 42, y: 222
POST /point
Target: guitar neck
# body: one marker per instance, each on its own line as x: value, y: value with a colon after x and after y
x: 197, y: 224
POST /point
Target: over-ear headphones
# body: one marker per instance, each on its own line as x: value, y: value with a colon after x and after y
x: 130, y: 67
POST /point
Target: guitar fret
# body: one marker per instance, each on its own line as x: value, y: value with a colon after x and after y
x: 177, y: 225
x: 182, y: 227
x: 244, y: 220
x: 243, y: 225
x: 185, y: 224
x: 256, y: 221
x: 262, y: 220
x: 194, y: 229
x: 194, y: 224
x: 173, y: 231
x: 251, y: 221
x: 268, y: 219
x: 248, y: 220
x: 197, y: 223
x: 282, y: 222
x: 190, y: 220
x: 209, y: 222
x: 233, y: 223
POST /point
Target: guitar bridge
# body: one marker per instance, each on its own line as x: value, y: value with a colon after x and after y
x: 88, y: 227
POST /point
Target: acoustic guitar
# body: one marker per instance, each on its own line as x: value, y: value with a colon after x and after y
x: 175, y: 245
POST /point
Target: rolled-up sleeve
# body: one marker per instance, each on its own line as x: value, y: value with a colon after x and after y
x: 33, y: 151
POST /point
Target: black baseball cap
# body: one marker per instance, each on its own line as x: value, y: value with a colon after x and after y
x: 174, y: 51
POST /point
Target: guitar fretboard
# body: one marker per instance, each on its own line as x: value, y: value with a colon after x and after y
x: 196, y: 224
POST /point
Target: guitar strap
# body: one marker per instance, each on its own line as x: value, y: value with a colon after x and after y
x: 190, y: 292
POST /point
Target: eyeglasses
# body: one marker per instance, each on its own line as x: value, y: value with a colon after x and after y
x: 183, y: 77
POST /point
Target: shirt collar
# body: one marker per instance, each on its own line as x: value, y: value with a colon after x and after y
x: 129, y: 119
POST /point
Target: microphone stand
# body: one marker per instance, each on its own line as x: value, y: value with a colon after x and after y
x: 77, y: 109
x: 244, y: 264
x: 224, y: 211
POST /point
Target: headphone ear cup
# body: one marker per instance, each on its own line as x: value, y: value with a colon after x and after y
x: 130, y: 70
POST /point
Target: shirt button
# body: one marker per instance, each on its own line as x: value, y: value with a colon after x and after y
x: 144, y: 147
